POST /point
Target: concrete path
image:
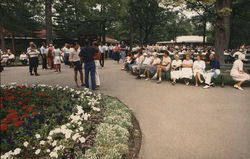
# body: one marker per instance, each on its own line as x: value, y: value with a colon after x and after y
x: 178, y: 122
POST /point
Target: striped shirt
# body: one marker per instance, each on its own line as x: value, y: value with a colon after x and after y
x: 33, y: 53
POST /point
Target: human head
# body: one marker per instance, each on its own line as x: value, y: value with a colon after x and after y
x: 199, y: 57
x: 166, y: 54
x: 211, y: 56
x: 176, y: 57
x: 187, y: 57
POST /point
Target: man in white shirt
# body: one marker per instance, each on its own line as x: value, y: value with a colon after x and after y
x: 44, y: 52
x: 146, y: 62
x: 102, y: 51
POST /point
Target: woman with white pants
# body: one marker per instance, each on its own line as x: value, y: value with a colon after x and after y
x: 97, y: 65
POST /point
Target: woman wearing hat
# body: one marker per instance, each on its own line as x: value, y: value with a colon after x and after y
x: 237, y: 72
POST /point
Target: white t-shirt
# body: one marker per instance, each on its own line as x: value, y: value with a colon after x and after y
x: 156, y: 61
x: 101, y: 49
x: 166, y: 60
x: 23, y: 57
x: 199, y: 65
x: 11, y: 56
x: 187, y: 62
x: 147, y: 60
x: 176, y: 63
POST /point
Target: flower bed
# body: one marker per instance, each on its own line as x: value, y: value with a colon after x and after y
x: 60, y: 122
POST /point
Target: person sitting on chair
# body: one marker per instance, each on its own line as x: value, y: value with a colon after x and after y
x: 164, y: 66
x: 23, y: 58
x: 214, y: 72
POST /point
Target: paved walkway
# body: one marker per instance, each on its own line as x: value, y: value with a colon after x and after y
x: 178, y: 122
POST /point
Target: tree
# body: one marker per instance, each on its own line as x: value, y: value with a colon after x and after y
x: 222, y: 29
x: 48, y: 19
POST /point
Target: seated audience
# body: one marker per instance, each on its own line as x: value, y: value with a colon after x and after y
x: 214, y: 71
x: 237, y: 72
x: 175, y: 69
x: 23, y: 58
x: 163, y: 66
x: 199, y: 69
x: 187, y: 71
x: 138, y: 62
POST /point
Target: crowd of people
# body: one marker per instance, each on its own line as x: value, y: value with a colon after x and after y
x: 149, y: 62
x: 183, y: 63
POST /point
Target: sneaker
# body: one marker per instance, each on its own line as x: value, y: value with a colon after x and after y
x: 143, y: 76
x: 154, y: 78
x: 240, y: 88
x: 147, y: 79
x: 187, y: 83
x: 173, y: 83
x: 37, y: 74
x: 31, y: 74
x: 237, y: 87
x: 158, y: 82
x: 206, y: 86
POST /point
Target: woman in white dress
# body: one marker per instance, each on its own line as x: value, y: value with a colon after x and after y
x: 176, y: 69
x: 237, y: 72
x: 57, y: 59
x: 187, y: 71
x: 199, y: 69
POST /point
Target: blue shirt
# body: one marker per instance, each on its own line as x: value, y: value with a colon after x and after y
x: 88, y: 53
x: 215, y: 64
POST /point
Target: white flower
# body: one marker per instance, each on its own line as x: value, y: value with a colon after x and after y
x: 25, y: 144
x: 42, y: 142
x: 16, y: 151
x: 48, y: 150
x: 53, y: 154
x: 82, y: 139
x: 81, y: 128
x: 54, y: 143
x: 49, y: 138
x: 38, y: 151
x: 38, y: 136
x: 76, y: 136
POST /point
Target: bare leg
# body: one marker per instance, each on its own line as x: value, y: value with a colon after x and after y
x: 75, y: 77
x: 199, y: 77
x: 239, y: 83
x: 196, y: 80
x: 59, y: 67
x: 81, y: 77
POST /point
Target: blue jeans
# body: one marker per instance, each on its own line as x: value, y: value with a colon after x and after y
x: 90, y: 67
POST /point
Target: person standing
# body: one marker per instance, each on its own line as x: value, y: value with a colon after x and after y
x: 50, y: 56
x: 57, y: 59
x: 102, y: 51
x: 87, y: 55
x: 116, y: 53
x: 33, y: 59
x: 66, y: 51
x: 44, y: 52
x: 123, y: 52
x: 76, y: 63
x: 97, y: 58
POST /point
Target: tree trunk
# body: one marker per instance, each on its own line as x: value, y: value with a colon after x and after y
x: 204, y: 31
x: 13, y: 43
x: 222, y: 29
x: 131, y: 32
x: 48, y: 19
x: 104, y: 32
x: 2, y: 38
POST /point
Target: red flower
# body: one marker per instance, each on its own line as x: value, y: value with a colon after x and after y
x: 27, y: 100
x: 42, y: 94
x: 1, y: 106
x: 29, y: 109
x: 6, y: 120
x: 23, y: 87
x: 12, y: 111
x: 18, y: 123
x: 25, y: 107
x: 24, y: 116
x: 20, y: 103
x: 22, y: 94
x: 4, y: 127
x: 35, y: 113
x: 13, y: 91
x: 29, y: 93
x: 12, y: 116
